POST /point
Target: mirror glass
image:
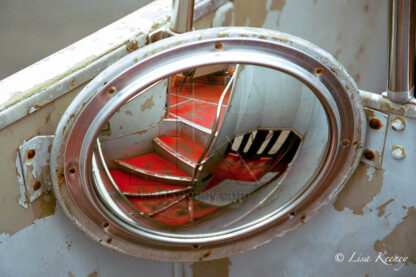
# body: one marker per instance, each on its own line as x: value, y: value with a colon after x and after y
x: 211, y: 149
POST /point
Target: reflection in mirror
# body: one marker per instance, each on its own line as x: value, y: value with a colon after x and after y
x: 212, y: 144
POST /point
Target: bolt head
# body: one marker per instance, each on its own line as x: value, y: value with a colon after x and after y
x: 398, y: 152
x: 398, y: 124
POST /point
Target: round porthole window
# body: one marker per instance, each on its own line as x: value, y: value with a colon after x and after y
x: 207, y: 144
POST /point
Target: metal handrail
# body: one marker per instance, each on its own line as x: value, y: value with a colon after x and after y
x: 400, y: 83
x: 112, y: 182
x: 182, y: 16
x: 208, y: 146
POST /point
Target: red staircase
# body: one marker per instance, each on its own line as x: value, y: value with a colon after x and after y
x: 159, y: 183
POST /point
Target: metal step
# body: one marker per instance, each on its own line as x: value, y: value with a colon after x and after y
x: 180, y: 152
x: 153, y: 167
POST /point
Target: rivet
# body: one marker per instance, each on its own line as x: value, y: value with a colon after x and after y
x: 31, y: 153
x: 36, y: 186
x: 369, y: 155
x: 375, y: 123
x: 345, y: 142
x: 111, y: 89
x: 319, y: 71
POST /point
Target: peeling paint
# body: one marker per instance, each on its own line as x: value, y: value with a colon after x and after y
x: 381, y: 208
x: 69, y: 244
x: 93, y: 274
x: 218, y: 268
x: 224, y: 16
x: 228, y: 20
x: 278, y: 5
x: 253, y: 13
x: 148, y: 104
x: 22, y: 200
x: 401, y: 240
x: 358, y: 193
x: 44, y: 206
x: 132, y: 45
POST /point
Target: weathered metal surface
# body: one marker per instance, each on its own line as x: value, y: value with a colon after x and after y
x: 83, y: 60
x: 386, y: 221
x: 375, y: 137
x: 53, y: 247
x: 115, y: 86
x: 378, y: 102
x: 32, y: 162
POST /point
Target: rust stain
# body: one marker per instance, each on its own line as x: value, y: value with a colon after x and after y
x: 381, y: 208
x: 44, y: 206
x: 359, y: 52
x: 68, y: 245
x: 48, y: 117
x: 401, y: 240
x: 218, y: 268
x: 148, y: 104
x: 128, y: 113
x: 70, y: 274
x: 364, y: 184
x: 366, y: 7
x: 132, y: 45
x: 93, y: 274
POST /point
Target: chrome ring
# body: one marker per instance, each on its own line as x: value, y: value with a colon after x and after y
x: 79, y: 127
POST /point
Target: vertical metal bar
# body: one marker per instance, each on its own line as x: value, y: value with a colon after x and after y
x: 400, y: 83
x: 182, y: 16
x: 168, y: 89
x: 213, y: 134
x: 182, y: 20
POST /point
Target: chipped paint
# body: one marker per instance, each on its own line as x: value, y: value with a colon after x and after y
x: 401, y: 240
x: 278, y: 5
x: 44, y: 206
x: 381, y: 208
x: 378, y: 102
x: 219, y: 268
x: 22, y: 200
x: 93, y: 274
x: 358, y: 193
x: 12, y: 186
x: 147, y: 105
x: 250, y: 13
x: 21, y: 95
x: 254, y: 13
x: 224, y: 16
